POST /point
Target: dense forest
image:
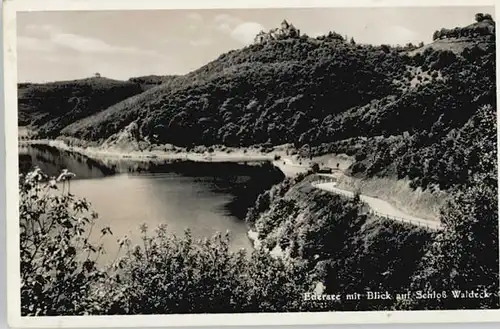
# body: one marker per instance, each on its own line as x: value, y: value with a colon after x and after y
x: 420, y: 113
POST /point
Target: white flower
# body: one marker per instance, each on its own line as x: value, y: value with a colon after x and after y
x: 53, y: 183
x: 65, y: 175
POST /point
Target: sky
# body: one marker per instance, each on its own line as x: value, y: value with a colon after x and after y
x: 67, y: 45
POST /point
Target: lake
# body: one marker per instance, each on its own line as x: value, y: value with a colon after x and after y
x: 203, y: 197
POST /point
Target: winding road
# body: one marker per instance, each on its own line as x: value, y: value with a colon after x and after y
x: 380, y: 207
x: 377, y: 206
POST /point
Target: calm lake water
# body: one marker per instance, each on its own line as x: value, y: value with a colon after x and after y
x: 203, y: 197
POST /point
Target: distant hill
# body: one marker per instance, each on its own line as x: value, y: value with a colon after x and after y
x: 52, y: 106
x: 324, y: 94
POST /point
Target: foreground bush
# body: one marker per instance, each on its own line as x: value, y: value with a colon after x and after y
x: 58, y: 259
x: 166, y: 274
x: 170, y: 274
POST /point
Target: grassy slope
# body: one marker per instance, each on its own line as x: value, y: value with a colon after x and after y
x: 291, y: 92
x: 457, y: 45
x: 421, y: 203
x: 168, y: 98
x: 207, y: 106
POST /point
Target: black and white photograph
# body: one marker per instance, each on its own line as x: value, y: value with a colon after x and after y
x: 247, y: 160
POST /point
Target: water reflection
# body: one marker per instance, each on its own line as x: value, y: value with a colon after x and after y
x: 203, y: 197
x: 52, y: 161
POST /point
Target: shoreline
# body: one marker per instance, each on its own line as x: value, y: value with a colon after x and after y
x: 278, y: 157
x: 418, y: 203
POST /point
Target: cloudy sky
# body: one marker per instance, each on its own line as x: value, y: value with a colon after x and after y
x: 70, y: 45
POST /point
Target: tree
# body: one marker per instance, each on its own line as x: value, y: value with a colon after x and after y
x: 479, y: 17
x: 410, y: 45
x: 487, y: 17
x: 470, y: 221
x: 315, y: 167
x: 357, y: 196
x: 436, y: 35
x: 471, y: 228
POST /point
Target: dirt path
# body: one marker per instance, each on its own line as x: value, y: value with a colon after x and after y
x: 235, y: 155
x: 289, y: 168
x: 381, y: 208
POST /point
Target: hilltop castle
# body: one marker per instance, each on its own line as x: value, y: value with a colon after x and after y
x: 286, y: 30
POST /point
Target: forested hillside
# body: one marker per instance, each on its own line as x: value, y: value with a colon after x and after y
x: 51, y: 106
x: 401, y: 111
x: 234, y: 100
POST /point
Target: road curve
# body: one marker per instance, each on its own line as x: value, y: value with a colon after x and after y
x: 380, y: 207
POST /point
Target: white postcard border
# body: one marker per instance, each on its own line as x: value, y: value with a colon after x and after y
x: 11, y: 7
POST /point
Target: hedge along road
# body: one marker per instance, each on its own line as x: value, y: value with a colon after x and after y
x: 380, y: 207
